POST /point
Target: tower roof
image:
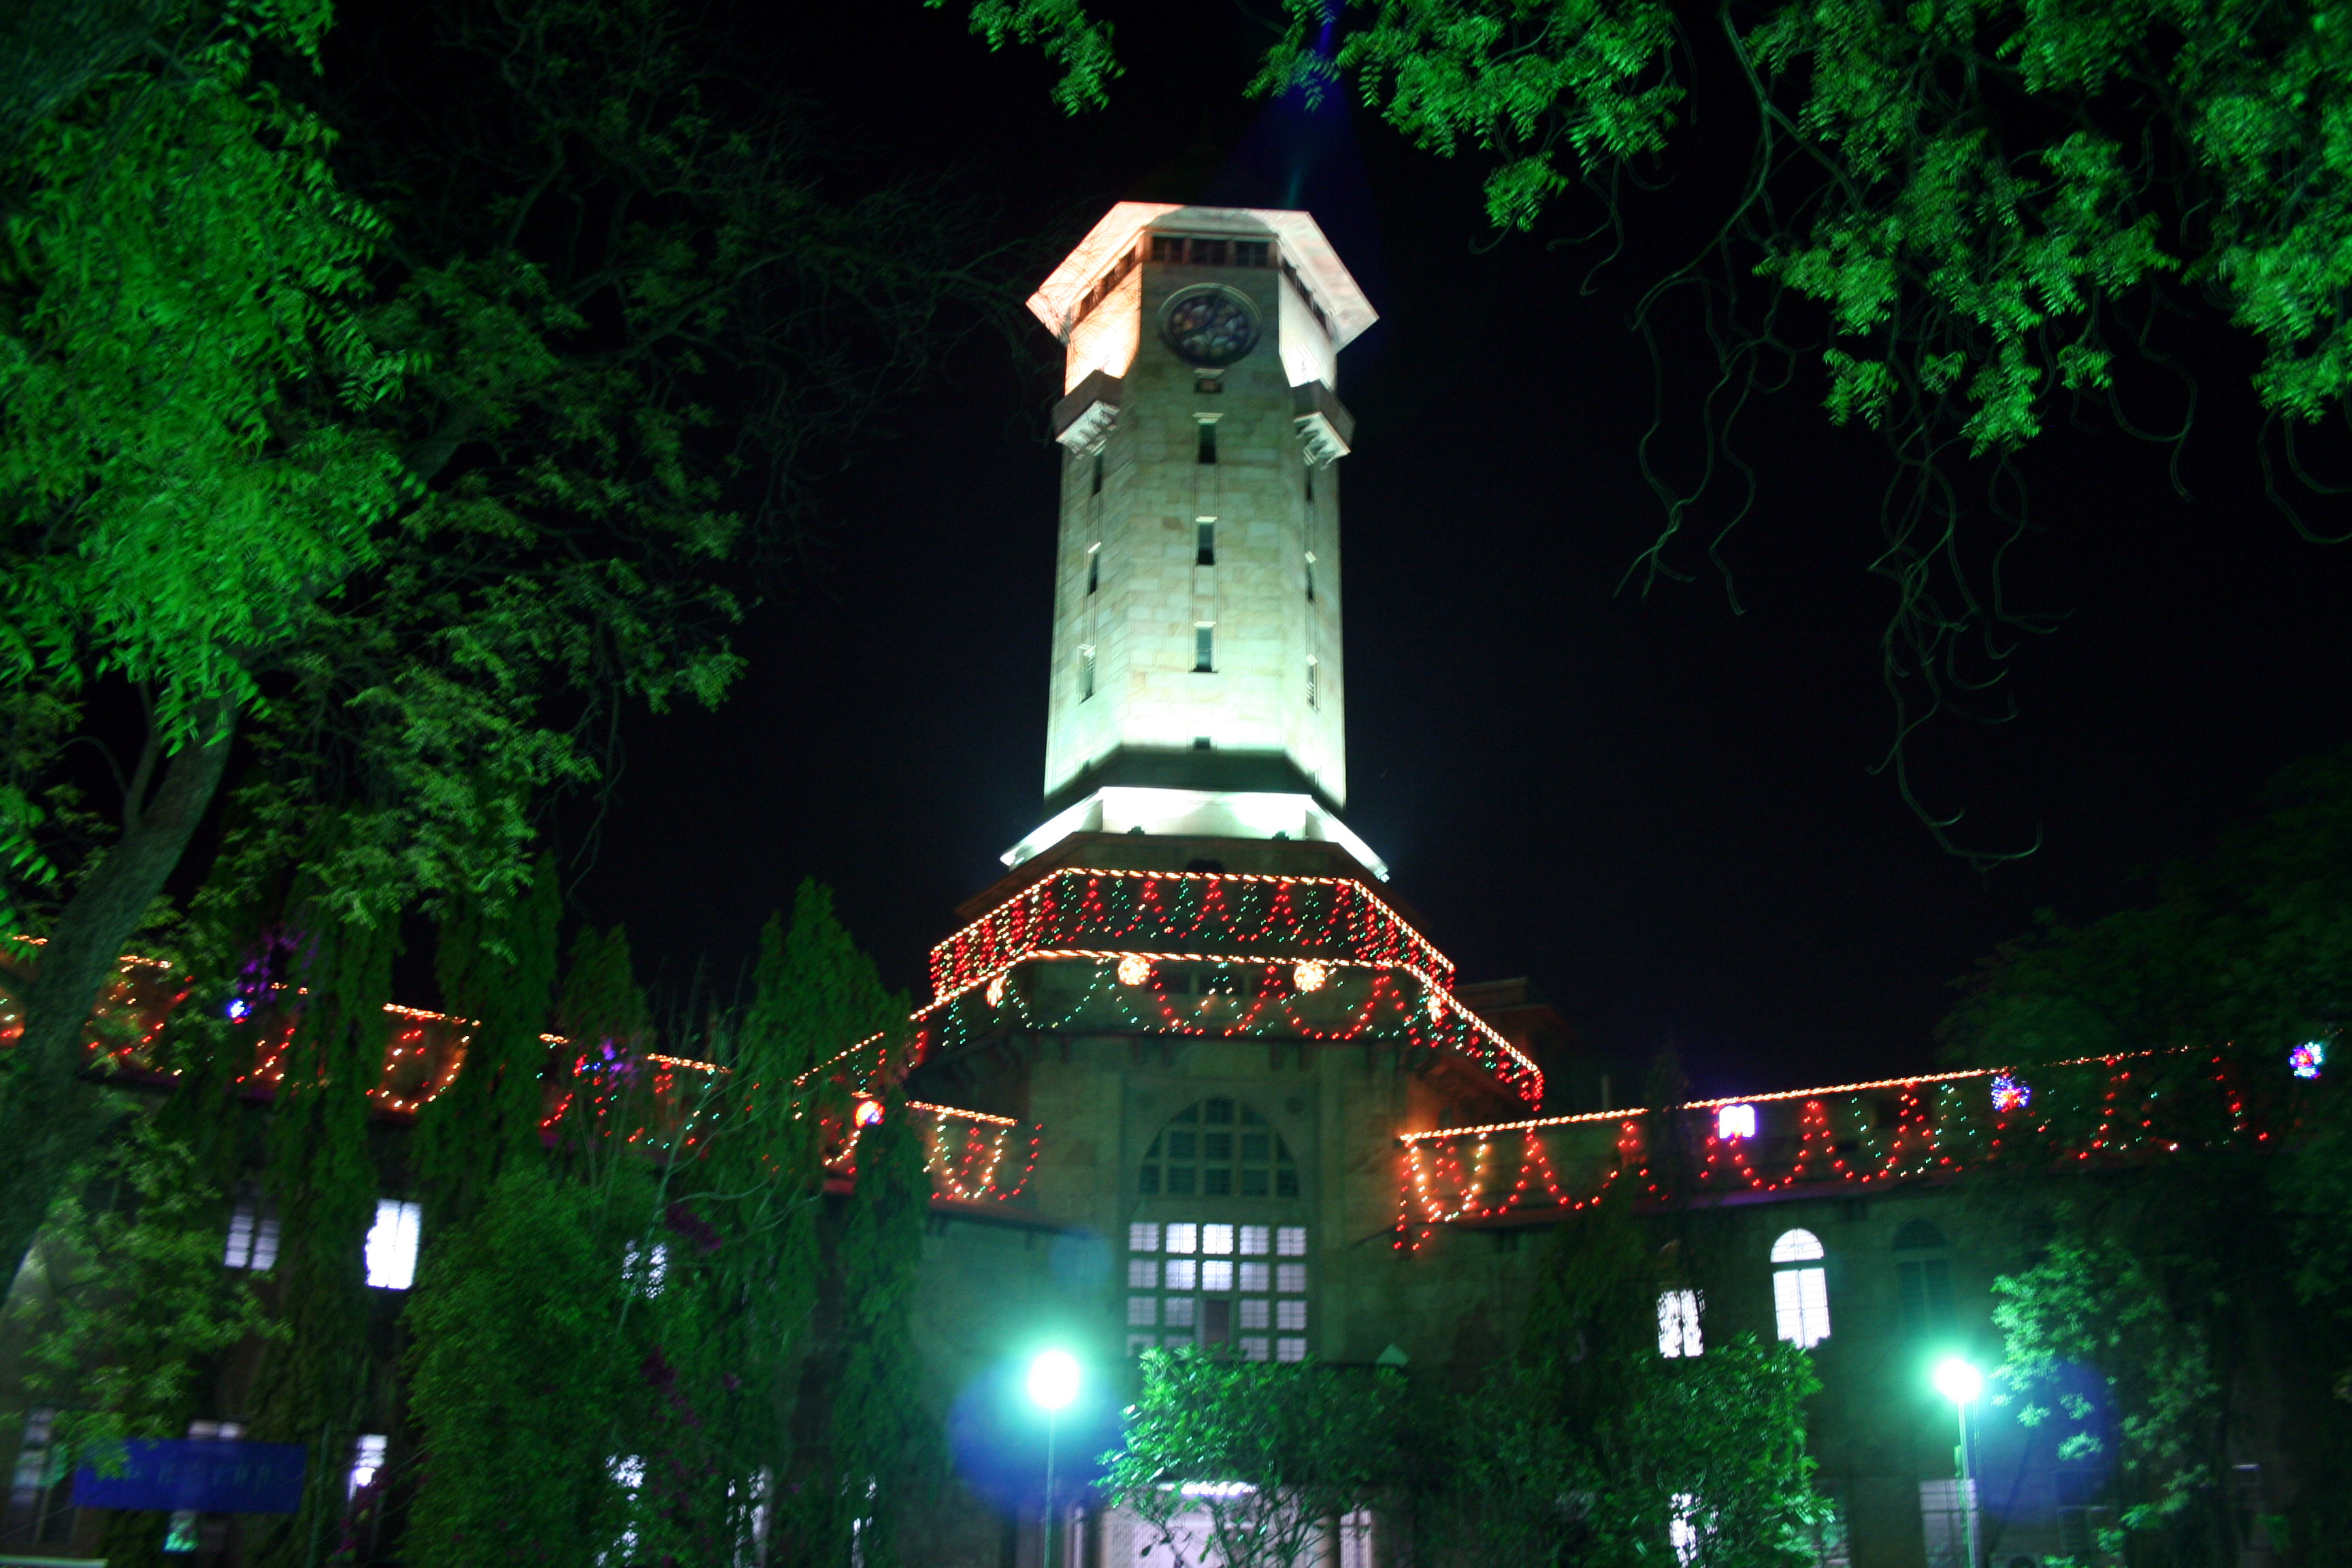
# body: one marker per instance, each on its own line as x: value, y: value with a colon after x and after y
x: 1055, y: 302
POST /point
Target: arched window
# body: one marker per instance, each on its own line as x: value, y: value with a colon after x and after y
x: 1800, y: 1288
x: 1221, y: 1282
x: 1218, y: 1149
x: 1923, y: 1279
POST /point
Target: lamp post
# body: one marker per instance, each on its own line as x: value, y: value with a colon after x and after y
x: 1053, y: 1383
x: 1961, y: 1383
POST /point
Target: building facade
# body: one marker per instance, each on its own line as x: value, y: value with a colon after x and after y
x: 1260, y: 1116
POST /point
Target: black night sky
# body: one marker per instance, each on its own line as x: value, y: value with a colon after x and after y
x: 1660, y: 811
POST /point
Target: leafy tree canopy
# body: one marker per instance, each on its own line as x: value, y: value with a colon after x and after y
x: 357, y: 420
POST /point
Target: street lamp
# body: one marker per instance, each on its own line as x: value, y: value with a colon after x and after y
x: 1962, y: 1384
x: 1053, y: 1383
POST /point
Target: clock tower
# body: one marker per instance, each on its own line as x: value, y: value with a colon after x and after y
x: 1198, y: 688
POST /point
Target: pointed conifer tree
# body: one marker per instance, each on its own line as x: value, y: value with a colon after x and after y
x: 497, y: 969
x: 315, y: 1388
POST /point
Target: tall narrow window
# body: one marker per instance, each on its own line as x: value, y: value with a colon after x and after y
x: 391, y: 1244
x: 1801, y: 1295
x: 1204, y: 552
x: 367, y: 1459
x: 1678, y: 1323
x: 1207, y: 449
x: 252, y: 1237
x: 1204, y: 649
x: 1098, y: 473
x: 1085, y: 673
x: 1094, y: 568
x: 1923, y: 1279
x: 1310, y: 482
x: 1310, y: 576
x: 1314, y: 698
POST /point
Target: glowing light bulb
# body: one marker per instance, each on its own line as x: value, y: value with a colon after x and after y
x: 2010, y: 1093
x: 1134, y: 970
x: 869, y: 1111
x: 1309, y: 974
x: 2307, y: 1059
x: 1734, y: 1121
x: 1958, y: 1381
x: 1053, y: 1379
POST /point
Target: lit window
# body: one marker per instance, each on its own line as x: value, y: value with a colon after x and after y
x: 1734, y: 1121
x: 1313, y: 697
x: 645, y: 1269
x: 1204, y: 649
x: 1254, y: 1346
x: 1290, y: 1314
x: 1290, y: 1350
x: 1290, y: 1278
x: 1256, y: 1238
x: 1179, y: 1311
x: 367, y: 1459
x: 1801, y: 1297
x: 1204, y: 552
x: 1183, y: 1274
x: 1142, y: 1274
x: 1143, y: 1235
x: 1218, y: 1238
x: 1678, y: 1323
x: 1290, y: 1241
x: 1682, y: 1533
x: 391, y: 1244
x: 1143, y: 1312
x: 1254, y: 1315
x: 1085, y: 673
x: 252, y: 1237
x: 1216, y: 1274
x: 216, y: 1431
x: 1256, y: 1277
x: 1184, y: 1237
x: 1797, y: 1246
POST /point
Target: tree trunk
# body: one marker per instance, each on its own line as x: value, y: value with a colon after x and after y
x: 49, y: 1115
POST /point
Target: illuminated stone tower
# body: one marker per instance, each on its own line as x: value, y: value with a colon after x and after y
x: 1198, y: 688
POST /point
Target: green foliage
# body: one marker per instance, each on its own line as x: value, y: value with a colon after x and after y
x: 498, y: 971
x: 322, y: 1177
x: 515, y: 1376
x: 2213, y: 1272
x: 1065, y: 32
x: 884, y: 1428
x: 2093, y: 1303
x: 1310, y: 1443
x: 1588, y: 1447
x: 178, y: 268
x: 125, y: 1300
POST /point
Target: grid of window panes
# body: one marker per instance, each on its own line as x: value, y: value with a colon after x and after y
x: 1189, y: 1283
x: 1218, y: 1149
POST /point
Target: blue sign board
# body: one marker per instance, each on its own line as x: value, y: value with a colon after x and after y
x: 208, y: 1475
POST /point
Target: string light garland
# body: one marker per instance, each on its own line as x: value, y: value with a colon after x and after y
x: 1129, y: 992
x: 1085, y: 908
x: 1879, y: 1132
